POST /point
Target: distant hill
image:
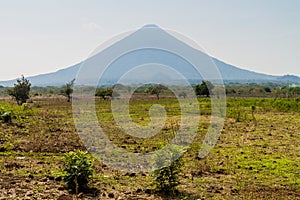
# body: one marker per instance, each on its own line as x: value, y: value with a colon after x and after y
x: 228, y: 72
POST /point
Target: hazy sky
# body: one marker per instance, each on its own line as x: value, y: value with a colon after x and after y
x: 44, y: 36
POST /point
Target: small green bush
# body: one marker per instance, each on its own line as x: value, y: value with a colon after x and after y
x: 78, y: 170
x: 167, y: 178
x: 25, y: 106
x: 5, y: 115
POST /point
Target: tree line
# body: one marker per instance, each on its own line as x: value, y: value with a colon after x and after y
x: 21, y: 91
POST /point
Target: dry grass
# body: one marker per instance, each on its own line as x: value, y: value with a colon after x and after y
x: 252, y: 160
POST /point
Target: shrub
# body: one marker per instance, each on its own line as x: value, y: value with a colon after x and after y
x: 25, y: 106
x: 20, y: 91
x: 78, y: 170
x: 204, y: 88
x: 167, y: 178
x: 158, y: 89
x: 104, y: 93
x: 5, y: 115
x: 68, y: 90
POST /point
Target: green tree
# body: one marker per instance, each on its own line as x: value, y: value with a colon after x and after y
x: 230, y: 91
x: 69, y: 89
x: 267, y: 89
x: 296, y: 90
x: 157, y: 90
x: 204, y: 88
x: 104, y: 93
x: 20, y: 91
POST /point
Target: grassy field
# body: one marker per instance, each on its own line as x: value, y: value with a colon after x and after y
x: 256, y: 157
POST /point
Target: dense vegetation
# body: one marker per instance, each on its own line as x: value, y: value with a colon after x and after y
x: 232, y: 89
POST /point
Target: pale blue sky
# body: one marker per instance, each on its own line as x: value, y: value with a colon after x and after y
x: 44, y: 36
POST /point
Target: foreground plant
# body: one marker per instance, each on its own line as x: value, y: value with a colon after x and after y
x: 167, y: 178
x: 5, y: 115
x: 78, y: 170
